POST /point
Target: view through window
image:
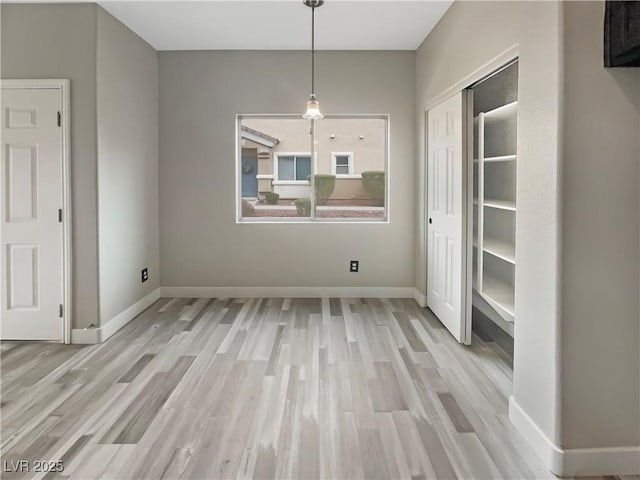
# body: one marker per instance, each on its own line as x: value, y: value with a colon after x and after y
x: 331, y: 169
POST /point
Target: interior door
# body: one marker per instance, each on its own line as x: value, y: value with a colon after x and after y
x: 446, y: 220
x: 31, y: 232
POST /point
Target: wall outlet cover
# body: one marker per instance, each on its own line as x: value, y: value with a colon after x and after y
x: 145, y: 275
x: 354, y: 266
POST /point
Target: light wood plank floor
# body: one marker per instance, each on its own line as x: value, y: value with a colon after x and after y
x: 265, y: 388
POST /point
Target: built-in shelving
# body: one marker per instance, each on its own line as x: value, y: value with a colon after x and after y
x: 500, y: 204
x: 503, y: 112
x: 501, y: 158
x: 499, y: 295
x: 494, y: 251
x: 503, y: 250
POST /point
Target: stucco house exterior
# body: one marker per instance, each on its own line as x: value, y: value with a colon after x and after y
x: 276, y: 154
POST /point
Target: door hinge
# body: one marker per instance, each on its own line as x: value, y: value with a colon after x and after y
x: 59, y: 119
x: 61, y: 311
x: 60, y: 215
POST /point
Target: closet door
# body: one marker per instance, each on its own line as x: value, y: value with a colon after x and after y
x: 446, y: 215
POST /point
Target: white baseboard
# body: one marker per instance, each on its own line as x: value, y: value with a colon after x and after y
x: 577, y: 461
x: 85, y: 336
x: 288, y: 292
x: 548, y: 452
x: 100, y: 334
x: 420, y: 298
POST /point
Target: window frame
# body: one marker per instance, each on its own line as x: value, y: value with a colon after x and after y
x: 311, y: 220
x: 350, y: 165
x: 276, y: 168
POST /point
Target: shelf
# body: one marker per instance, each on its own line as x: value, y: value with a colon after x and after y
x: 501, y: 204
x: 503, y: 250
x: 502, y: 158
x: 500, y: 296
x: 501, y: 113
x: 494, y: 163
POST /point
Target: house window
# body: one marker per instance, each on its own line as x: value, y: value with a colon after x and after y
x: 291, y: 170
x: 342, y: 164
x: 294, y: 167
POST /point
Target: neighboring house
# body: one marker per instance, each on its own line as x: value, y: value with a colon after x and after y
x: 276, y: 155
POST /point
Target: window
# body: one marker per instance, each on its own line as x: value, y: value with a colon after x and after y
x: 294, y: 167
x: 342, y: 164
x: 291, y: 170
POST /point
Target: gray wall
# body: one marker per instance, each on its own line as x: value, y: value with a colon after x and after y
x: 601, y: 235
x: 114, y: 144
x: 200, y: 243
x: 127, y: 100
x: 59, y: 41
x: 473, y: 33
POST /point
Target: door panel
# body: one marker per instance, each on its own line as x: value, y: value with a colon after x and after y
x: 21, y: 183
x: 31, y: 235
x: 446, y: 216
x: 22, y: 265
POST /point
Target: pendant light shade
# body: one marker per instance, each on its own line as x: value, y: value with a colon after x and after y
x: 313, y: 106
x: 313, y: 109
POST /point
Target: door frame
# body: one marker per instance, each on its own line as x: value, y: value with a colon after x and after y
x: 510, y: 54
x: 63, y: 86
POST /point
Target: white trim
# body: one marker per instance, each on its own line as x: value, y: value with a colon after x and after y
x: 577, y: 461
x: 510, y: 54
x: 288, y: 292
x: 284, y: 220
x: 67, y: 248
x: 387, y: 168
x: 102, y: 333
x: 257, y: 139
x: 549, y: 453
x: 276, y: 157
x: 264, y: 176
x: 291, y: 182
x: 420, y: 298
x: 350, y: 165
x: 85, y: 336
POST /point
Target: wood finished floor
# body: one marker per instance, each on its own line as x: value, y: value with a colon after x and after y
x: 266, y: 388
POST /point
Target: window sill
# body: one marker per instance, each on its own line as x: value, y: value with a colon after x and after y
x: 349, y: 177
x: 291, y: 182
x: 308, y: 220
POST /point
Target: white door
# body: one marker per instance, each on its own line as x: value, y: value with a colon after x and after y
x: 31, y: 235
x: 446, y: 232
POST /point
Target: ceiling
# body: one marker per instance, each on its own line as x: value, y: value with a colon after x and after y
x: 279, y: 25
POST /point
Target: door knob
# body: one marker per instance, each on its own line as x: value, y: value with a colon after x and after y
x: 430, y: 220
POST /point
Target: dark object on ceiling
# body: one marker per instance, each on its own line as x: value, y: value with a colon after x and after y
x: 622, y: 34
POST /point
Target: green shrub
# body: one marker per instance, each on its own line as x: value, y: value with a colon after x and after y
x: 247, y: 209
x: 324, y: 185
x: 373, y: 183
x: 271, y: 197
x: 303, y: 206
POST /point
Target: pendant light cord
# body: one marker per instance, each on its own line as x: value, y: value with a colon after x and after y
x: 313, y: 50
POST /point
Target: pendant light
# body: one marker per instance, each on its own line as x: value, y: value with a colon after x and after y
x: 313, y: 106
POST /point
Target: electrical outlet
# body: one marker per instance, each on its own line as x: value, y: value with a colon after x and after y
x: 354, y: 266
x: 145, y: 274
